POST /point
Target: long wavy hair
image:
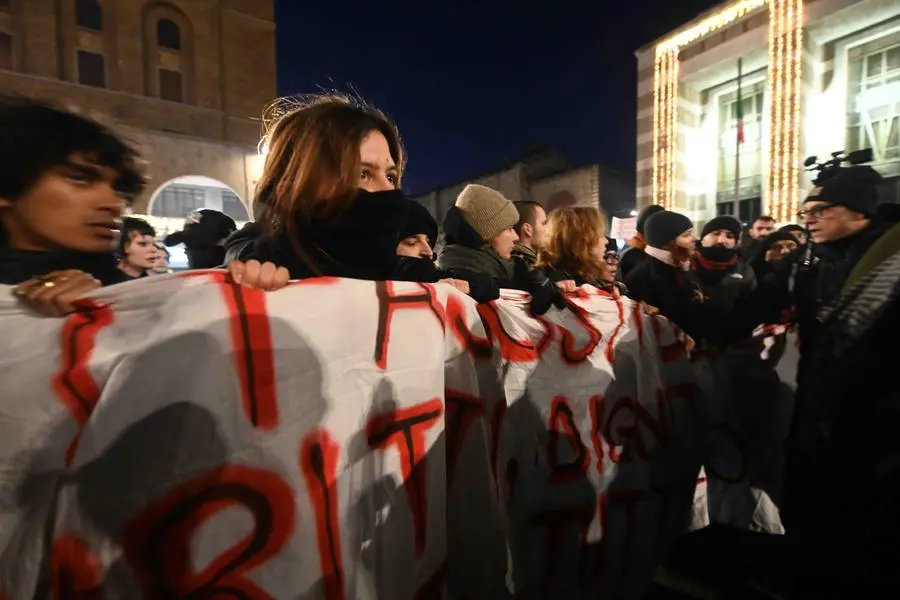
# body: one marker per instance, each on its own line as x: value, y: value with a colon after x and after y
x: 312, y: 166
x: 572, y: 234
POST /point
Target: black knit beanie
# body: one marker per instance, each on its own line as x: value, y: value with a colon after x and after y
x: 792, y: 228
x: 646, y: 213
x: 420, y: 221
x: 855, y: 187
x: 663, y: 227
x: 726, y: 222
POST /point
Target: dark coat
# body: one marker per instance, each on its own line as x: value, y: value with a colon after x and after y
x: 359, y: 243
x: 18, y: 266
x: 674, y: 291
x: 466, y: 256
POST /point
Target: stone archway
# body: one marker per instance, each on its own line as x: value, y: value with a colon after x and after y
x: 172, y: 201
x: 182, y: 195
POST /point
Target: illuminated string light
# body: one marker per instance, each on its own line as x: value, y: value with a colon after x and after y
x: 796, y: 109
x: 785, y: 89
x: 710, y: 24
x: 784, y: 86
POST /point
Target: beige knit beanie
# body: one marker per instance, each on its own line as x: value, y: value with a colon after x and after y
x: 487, y: 211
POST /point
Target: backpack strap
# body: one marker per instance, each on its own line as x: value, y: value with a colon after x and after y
x: 885, y: 247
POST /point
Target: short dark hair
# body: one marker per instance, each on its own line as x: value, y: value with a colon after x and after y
x: 36, y: 137
x: 133, y: 225
x: 527, y: 210
x: 764, y: 218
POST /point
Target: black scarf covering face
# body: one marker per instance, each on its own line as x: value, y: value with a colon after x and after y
x: 359, y: 243
x: 716, y: 258
x: 18, y: 266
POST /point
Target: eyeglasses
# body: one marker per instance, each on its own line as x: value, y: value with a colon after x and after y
x: 816, y: 212
x: 611, y: 257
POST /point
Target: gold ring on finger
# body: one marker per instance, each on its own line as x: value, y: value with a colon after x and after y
x: 49, y: 284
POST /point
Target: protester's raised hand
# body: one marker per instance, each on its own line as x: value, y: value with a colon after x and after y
x: 266, y: 276
x: 567, y: 286
x: 459, y: 284
x: 53, y: 294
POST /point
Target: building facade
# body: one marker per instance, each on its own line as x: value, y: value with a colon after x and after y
x: 546, y: 178
x: 816, y: 77
x: 185, y: 80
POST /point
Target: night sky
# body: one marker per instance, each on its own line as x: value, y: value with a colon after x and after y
x: 472, y: 83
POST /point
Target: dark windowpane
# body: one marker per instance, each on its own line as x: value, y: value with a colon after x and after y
x: 91, y: 69
x: 88, y: 14
x: 233, y: 207
x: 6, y: 52
x: 170, y: 85
x: 168, y: 35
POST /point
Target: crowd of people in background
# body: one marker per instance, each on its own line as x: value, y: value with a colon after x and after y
x: 330, y: 203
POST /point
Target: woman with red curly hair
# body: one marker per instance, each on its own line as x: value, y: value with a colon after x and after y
x: 575, y: 249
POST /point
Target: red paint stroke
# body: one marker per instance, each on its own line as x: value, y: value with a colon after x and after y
x: 74, y: 384
x: 157, y: 542
x: 389, y: 303
x: 463, y: 410
x: 405, y: 431
x: 75, y: 572
x: 254, y: 353
x: 562, y: 426
x: 319, y: 456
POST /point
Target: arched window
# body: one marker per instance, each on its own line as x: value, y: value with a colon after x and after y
x: 89, y: 15
x: 168, y: 34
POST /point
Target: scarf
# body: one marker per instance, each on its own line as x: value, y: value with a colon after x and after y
x: 717, y: 258
x: 525, y: 253
x: 666, y: 257
x: 476, y: 260
x: 359, y: 243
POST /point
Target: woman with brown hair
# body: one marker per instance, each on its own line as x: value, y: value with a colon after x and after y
x: 328, y: 201
x: 575, y: 249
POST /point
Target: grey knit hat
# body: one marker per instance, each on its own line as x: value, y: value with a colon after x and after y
x: 486, y: 211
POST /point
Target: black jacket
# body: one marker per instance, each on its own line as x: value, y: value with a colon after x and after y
x: 465, y: 256
x: 18, y: 266
x: 674, y: 291
x: 842, y: 481
x: 359, y: 243
x: 556, y: 275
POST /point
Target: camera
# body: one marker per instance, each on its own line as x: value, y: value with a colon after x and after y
x: 827, y: 169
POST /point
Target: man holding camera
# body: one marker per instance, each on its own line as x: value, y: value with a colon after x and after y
x: 841, y: 497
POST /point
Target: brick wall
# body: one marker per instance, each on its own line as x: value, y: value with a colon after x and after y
x: 580, y: 187
x: 226, y: 60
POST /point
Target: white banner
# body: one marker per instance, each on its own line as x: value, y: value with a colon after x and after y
x: 623, y: 229
x: 339, y: 439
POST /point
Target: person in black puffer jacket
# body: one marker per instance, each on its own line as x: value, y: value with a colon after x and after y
x: 723, y: 276
x: 480, y: 239
x: 665, y: 280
